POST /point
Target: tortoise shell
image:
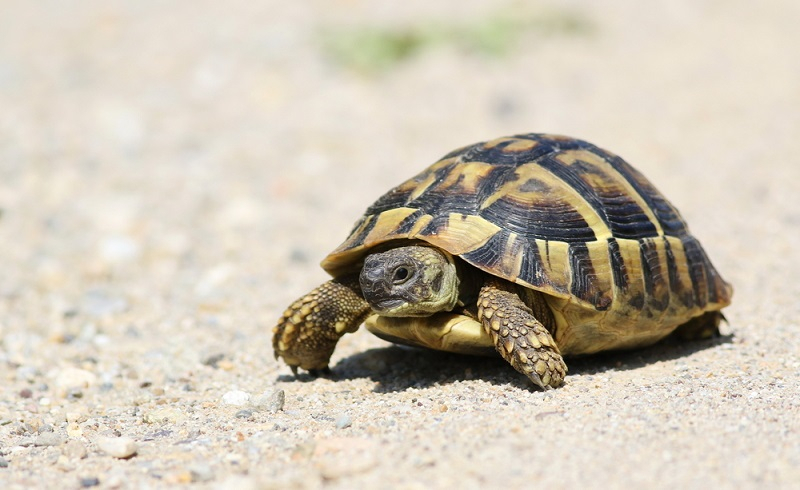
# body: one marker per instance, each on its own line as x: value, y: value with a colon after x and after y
x: 561, y: 216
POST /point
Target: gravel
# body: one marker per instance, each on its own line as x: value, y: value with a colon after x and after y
x: 172, y: 172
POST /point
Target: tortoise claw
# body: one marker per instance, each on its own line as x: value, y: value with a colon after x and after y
x: 314, y: 373
x: 537, y: 380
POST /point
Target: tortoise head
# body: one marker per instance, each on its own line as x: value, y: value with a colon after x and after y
x: 410, y: 281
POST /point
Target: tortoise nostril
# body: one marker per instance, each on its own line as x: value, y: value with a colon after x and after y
x: 370, y: 277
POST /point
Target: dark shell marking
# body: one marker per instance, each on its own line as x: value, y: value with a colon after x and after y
x: 555, y: 214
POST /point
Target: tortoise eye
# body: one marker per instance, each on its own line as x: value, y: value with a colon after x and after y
x: 400, y: 275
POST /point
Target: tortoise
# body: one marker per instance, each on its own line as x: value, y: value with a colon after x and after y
x: 535, y: 246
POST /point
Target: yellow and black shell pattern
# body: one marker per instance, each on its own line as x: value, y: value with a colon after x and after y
x: 555, y: 214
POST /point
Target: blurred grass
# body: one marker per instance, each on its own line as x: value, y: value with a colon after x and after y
x: 373, y: 49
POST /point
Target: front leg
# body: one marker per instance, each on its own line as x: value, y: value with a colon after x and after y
x: 309, y: 329
x: 519, y: 336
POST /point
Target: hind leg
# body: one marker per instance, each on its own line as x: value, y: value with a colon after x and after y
x: 700, y: 327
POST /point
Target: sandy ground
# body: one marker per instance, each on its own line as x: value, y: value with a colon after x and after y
x: 171, y: 173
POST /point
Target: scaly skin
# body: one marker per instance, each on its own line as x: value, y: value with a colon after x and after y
x: 519, y: 337
x: 309, y: 329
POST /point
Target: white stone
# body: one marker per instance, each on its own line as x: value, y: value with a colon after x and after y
x: 71, y: 378
x: 118, y: 447
x: 236, y: 397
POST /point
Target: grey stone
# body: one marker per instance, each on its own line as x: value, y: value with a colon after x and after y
x: 48, y: 439
x: 271, y: 401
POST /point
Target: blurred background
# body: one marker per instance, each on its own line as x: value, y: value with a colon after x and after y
x: 173, y: 163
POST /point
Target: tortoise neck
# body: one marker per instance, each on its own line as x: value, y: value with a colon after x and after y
x: 471, y: 279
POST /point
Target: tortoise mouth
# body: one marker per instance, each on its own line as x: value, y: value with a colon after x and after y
x: 386, y: 306
x: 397, y: 308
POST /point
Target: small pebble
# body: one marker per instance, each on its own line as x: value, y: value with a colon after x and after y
x: 48, y: 439
x: 73, y: 378
x: 118, y: 447
x: 76, y: 417
x: 74, y: 394
x: 166, y: 414
x: 25, y: 393
x: 119, y: 248
x: 226, y: 365
x: 98, y: 304
x: 3, y: 463
x: 343, y: 421
x: 26, y: 373
x: 89, y: 481
x: 244, y: 414
x: 74, y: 449
x: 235, y: 397
x: 271, y: 401
x: 213, y: 360
x: 159, y: 433
x: 201, y: 473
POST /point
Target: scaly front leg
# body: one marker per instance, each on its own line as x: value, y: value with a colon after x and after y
x: 519, y: 336
x: 307, y: 333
